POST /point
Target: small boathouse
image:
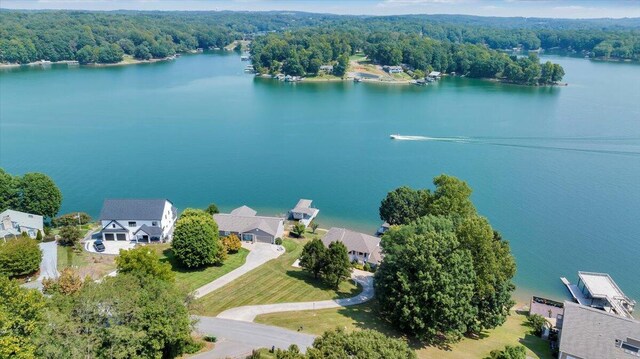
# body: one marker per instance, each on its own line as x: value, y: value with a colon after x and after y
x: 598, y: 290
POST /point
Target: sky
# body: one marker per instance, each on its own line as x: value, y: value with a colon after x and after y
x: 526, y: 8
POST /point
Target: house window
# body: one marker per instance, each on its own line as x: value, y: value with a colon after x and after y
x: 154, y: 223
x: 247, y: 237
x: 132, y: 224
x: 113, y: 226
x: 226, y: 233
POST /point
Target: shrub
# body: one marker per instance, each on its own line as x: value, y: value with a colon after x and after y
x: 71, y: 219
x: 232, y: 243
x: 69, y: 282
x: 39, y: 236
x: 143, y: 262
x: 69, y: 235
x: 367, y: 267
x: 19, y: 256
x: 536, y: 322
x: 279, y: 241
x: 298, y: 230
x: 509, y: 352
x: 193, y: 347
x: 210, y: 338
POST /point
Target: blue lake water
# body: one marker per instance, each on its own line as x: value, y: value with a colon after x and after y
x: 556, y: 170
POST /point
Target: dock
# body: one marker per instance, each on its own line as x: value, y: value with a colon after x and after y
x: 576, y: 293
x: 599, y: 290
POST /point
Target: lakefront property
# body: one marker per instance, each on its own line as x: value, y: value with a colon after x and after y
x: 138, y: 220
x: 244, y: 222
x: 14, y: 223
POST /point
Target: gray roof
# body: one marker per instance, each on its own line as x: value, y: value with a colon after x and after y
x: 590, y: 333
x: 150, y: 230
x: 304, y: 206
x: 243, y: 219
x: 244, y: 211
x: 23, y: 219
x: 355, y: 241
x: 8, y: 233
x: 134, y: 209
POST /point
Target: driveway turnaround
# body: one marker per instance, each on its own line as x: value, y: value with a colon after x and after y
x: 248, y: 313
x: 237, y: 339
x: 259, y: 254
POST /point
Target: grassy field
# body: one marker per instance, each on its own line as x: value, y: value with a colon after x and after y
x: 87, y: 264
x: 190, y: 280
x: 274, y: 282
x: 363, y: 317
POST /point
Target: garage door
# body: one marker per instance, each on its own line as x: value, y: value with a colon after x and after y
x: 264, y: 239
x: 108, y: 236
x: 121, y: 237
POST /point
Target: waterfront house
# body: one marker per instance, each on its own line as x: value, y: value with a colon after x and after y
x: 361, y: 247
x: 591, y: 333
x: 434, y: 75
x: 248, y: 226
x: 392, y: 69
x: 328, y: 69
x: 140, y: 220
x: 303, y: 212
x: 13, y: 223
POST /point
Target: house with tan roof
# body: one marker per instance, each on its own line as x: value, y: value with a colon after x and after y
x: 248, y: 226
x: 361, y: 247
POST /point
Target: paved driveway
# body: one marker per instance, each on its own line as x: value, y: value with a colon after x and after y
x: 110, y: 247
x: 48, y: 265
x: 259, y: 254
x: 237, y: 339
x: 248, y: 313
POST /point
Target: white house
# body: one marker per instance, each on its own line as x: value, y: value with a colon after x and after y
x: 13, y: 223
x: 392, y: 69
x: 361, y: 247
x: 140, y: 220
x: 244, y: 223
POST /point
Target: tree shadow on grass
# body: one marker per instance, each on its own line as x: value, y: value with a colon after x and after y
x: 320, y: 284
x: 537, y: 345
x: 176, y: 267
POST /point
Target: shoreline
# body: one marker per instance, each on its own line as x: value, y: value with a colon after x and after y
x: 125, y: 62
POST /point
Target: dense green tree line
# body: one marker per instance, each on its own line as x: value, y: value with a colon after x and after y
x: 27, y: 36
x: 32, y: 193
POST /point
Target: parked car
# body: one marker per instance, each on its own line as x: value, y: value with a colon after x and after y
x: 98, y: 246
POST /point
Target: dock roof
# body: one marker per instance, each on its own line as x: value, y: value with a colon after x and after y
x: 601, y: 285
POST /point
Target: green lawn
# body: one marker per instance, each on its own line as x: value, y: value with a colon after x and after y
x: 190, y: 280
x: 274, y: 282
x: 364, y: 317
x: 86, y: 264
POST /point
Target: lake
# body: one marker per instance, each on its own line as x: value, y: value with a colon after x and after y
x: 556, y: 170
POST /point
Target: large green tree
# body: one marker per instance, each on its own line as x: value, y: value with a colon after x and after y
x: 425, y: 285
x: 19, y: 256
x: 336, y: 266
x: 313, y: 257
x: 39, y: 195
x: 21, y: 316
x: 196, y: 242
x: 452, y: 197
x: 404, y: 205
x: 144, y: 263
x: 9, y: 194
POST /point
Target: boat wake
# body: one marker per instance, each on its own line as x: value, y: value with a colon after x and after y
x: 614, y: 145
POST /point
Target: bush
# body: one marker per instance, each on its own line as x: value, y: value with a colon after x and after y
x: 536, y: 322
x: 279, y: 241
x: 367, y: 267
x: 69, y: 282
x: 193, y: 347
x: 39, y: 236
x: 71, y: 219
x: 509, y: 352
x: 19, y: 256
x: 231, y: 243
x: 210, y: 338
x: 298, y: 230
x: 143, y: 262
x: 70, y: 235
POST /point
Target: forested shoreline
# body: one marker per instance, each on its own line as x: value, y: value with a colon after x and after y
x: 105, y: 37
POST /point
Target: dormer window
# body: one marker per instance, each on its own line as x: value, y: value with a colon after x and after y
x: 132, y: 224
x: 154, y: 223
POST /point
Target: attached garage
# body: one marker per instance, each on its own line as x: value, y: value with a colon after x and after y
x: 264, y: 239
x: 109, y: 237
x: 121, y: 236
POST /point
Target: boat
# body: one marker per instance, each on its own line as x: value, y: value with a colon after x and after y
x: 357, y: 79
x: 395, y: 137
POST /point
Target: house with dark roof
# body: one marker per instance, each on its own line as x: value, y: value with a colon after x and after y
x: 361, y: 247
x: 248, y: 226
x: 13, y: 223
x: 592, y: 333
x: 304, y: 212
x: 140, y: 220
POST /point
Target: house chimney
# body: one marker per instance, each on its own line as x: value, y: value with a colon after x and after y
x: 6, y: 222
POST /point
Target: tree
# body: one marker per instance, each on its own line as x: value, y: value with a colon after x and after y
x: 69, y: 235
x: 20, y: 319
x: 509, y: 352
x: 142, y: 52
x: 404, y: 205
x: 341, y: 67
x: 87, y: 55
x: 336, y: 267
x: 313, y: 257
x: 143, y: 262
x: 314, y: 227
x: 71, y: 219
x: 127, y: 46
x: 558, y: 73
x: 298, y: 230
x: 546, y: 75
x: 364, y: 344
x: 39, y: 195
x: 39, y: 236
x: 232, y: 243
x: 69, y: 282
x: 536, y: 322
x: 120, y: 317
x: 195, y: 240
x: 9, y: 194
x: 19, y: 256
x: 451, y: 197
x: 212, y: 209
x: 425, y: 284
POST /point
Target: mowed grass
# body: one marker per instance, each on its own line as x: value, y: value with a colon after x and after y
x: 364, y: 316
x: 85, y: 263
x: 274, y: 282
x: 190, y: 280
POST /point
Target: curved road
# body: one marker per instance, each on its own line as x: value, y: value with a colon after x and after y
x: 248, y: 313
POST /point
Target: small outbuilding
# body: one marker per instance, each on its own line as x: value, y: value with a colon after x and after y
x: 303, y: 212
